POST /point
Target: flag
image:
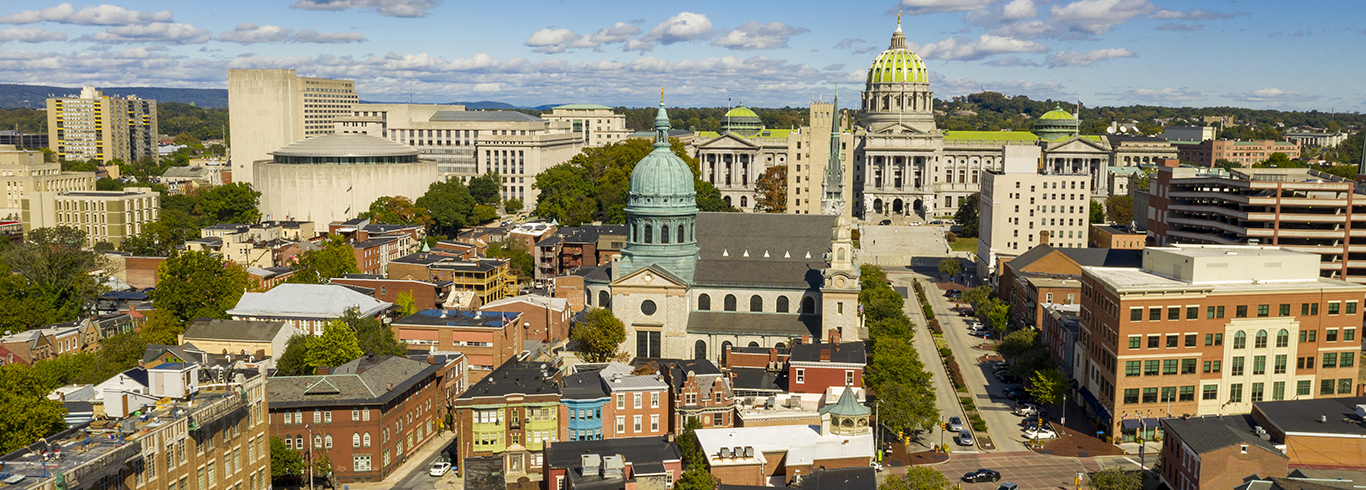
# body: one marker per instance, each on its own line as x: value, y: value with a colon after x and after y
x: 348, y: 188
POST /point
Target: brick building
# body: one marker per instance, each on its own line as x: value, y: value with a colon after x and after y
x: 1120, y: 236
x: 606, y: 401
x: 1216, y: 452
x: 1319, y: 433
x: 544, y: 319
x: 646, y: 463
x: 490, y: 279
x: 370, y: 415
x: 577, y: 246
x: 815, y: 368
x: 487, y: 338
x: 698, y: 390
x: 1211, y: 330
x: 512, y: 414
x: 1046, y: 275
x: 1245, y: 153
x: 425, y: 294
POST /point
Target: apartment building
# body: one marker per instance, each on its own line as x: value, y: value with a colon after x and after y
x: 271, y: 108
x: 598, y: 124
x: 489, y: 279
x: 369, y: 415
x: 104, y: 216
x: 488, y: 338
x: 24, y: 171
x: 1295, y: 208
x: 1019, y: 205
x: 1208, y: 329
x: 698, y: 391
x: 543, y: 318
x: 466, y: 144
x: 512, y: 416
x: 818, y: 367
x: 577, y: 246
x: 91, y: 126
x: 1245, y: 153
x: 615, y: 464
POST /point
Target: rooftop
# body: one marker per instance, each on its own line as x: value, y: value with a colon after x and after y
x: 484, y: 116
x: 744, y: 322
x: 803, y: 444
x: 516, y: 378
x: 582, y: 107
x: 990, y: 135
x: 306, y: 301
x: 635, y: 450
x: 238, y: 330
x: 368, y: 380
x: 1206, y: 434
x: 460, y: 318
x: 1303, y: 416
x: 345, y: 145
x: 847, y: 352
x: 855, y: 478
x: 783, y: 250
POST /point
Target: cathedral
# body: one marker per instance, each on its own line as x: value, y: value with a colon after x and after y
x: 689, y: 284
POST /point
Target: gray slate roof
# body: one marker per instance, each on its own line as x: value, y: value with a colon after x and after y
x: 748, y: 323
x: 240, y: 330
x: 851, y: 352
x: 856, y: 478
x: 723, y: 239
x: 1205, y: 434
x: 364, y: 381
x: 515, y: 377
x: 1303, y: 415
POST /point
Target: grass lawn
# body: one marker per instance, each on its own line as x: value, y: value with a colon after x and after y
x: 964, y: 245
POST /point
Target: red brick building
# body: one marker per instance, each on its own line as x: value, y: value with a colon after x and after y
x: 545, y: 319
x: 815, y: 368
x: 698, y: 390
x: 646, y: 462
x: 487, y: 338
x: 425, y: 294
x: 1216, y: 452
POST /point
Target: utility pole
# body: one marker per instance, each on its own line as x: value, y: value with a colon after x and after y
x: 310, y: 456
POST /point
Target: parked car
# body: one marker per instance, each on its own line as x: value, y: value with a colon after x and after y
x: 965, y: 438
x: 955, y: 424
x: 1008, y: 486
x: 885, y: 222
x: 1014, y: 392
x: 982, y: 475
x: 440, y: 468
x: 1044, y: 433
x: 1026, y: 409
x: 1006, y: 377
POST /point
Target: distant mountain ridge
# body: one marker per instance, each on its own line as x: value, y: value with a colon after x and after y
x: 35, y: 96
x: 480, y: 105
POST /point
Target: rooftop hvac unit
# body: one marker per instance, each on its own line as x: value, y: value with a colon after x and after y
x: 725, y: 452
x: 737, y: 452
x: 749, y: 451
x: 794, y: 402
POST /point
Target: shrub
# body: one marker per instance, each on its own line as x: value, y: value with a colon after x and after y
x: 968, y: 405
x: 933, y: 326
x: 978, y: 425
x: 946, y: 353
x: 929, y: 312
x: 950, y: 236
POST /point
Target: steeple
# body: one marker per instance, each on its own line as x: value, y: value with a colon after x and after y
x: 833, y: 201
x: 661, y: 210
x: 661, y: 123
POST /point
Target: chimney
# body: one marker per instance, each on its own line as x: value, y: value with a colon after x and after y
x: 323, y: 370
x: 431, y: 359
x: 806, y: 339
x: 825, y: 353
x: 1168, y: 162
x: 1043, y: 237
x: 772, y: 354
x: 835, y: 336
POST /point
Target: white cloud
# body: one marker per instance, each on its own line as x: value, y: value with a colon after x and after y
x: 917, y: 7
x: 848, y: 42
x: 387, y: 8
x: 753, y: 35
x: 315, y: 37
x: 1097, y: 17
x: 1197, y: 14
x: 249, y: 33
x: 159, y: 32
x: 30, y: 35
x: 1019, y: 9
x: 834, y: 67
x: 1069, y: 58
x: 1034, y: 90
x: 90, y: 15
x: 618, y: 33
x: 487, y: 87
x: 963, y: 49
x: 686, y: 26
x: 1177, y: 26
x: 551, y: 41
x: 1012, y: 61
x: 1274, y: 96
x: 1163, y: 96
x: 561, y: 40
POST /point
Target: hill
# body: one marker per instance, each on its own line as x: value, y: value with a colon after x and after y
x: 35, y: 96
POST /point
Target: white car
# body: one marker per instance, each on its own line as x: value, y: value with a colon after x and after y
x: 1044, y: 433
x: 440, y: 468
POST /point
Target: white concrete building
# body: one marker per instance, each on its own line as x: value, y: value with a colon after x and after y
x: 598, y: 124
x: 335, y: 177
x: 1019, y: 206
x: 270, y: 108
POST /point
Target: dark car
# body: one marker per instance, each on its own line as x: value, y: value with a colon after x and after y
x: 1014, y: 392
x: 885, y: 222
x: 982, y: 475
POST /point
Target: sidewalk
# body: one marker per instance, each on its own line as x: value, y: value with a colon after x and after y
x: 416, y: 462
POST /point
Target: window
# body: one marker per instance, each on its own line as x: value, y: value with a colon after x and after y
x: 1188, y: 366
x: 1236, y: 367
x: 1259, y: 365
x: 1135, y: 314
x: 1173, y: 313
x: 621, y: 400
x: 1150, y: 395
x: 1135, y: 341
x: 1285, y: 310
x: 730, y: 302
x: 1172, y: 341
x: 654, y: 399
x: 1351, y: 307
x: 1326, y: 387
x: 801, y: 375
x: 317, y: 416
x: 1330, y: 359
x: 1207, y: 366
x: 718, y: 419
x: 1169, y: 366
x: 621, y: 424
x: 848, y: 378
x: 1257, y: 392
x: 1187, y: 394
x: 1282, y: 338
x: 1261, y: 339
x: 355, y: 439
x: 756, y: 304
x: 365, y: 440
x: 1153, y: 341
x: 1344, y: 386
x: 1239, y: 340
x: 1190, y: 340
x: 1308, y: 336
x: 639, y: 398
x: 1209, y: 392
x: 1302, y: 387
x: 1131, y: 368
x: 1280, y: 364
x: 636, y: 423
x: 1169, y: 393
x: 317, y: 441
x: 1278, y: 391
x: 1332, y: 307
x: 1235, y: 393
x: 360, y: 463
x: 1150, y: 368
x: 1330, y: 335
x: 1304, y: 362
x: 1192, y: 312
x: 1130, y: 396
x: 782, y: 304
x: 1263, y: 310
x: 1241, y: 312
x: 1346, y: 360
x: 1154, y: 314
x: 1349, y: 334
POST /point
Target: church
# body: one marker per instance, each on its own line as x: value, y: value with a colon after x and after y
x: 689, y: 284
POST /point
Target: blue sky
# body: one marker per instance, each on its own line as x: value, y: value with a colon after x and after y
x: 1258, y: 54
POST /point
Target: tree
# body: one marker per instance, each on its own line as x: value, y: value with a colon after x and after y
x: 336, y: 346
x: 198, y: 285
x: 513, y: 206
x: 229, y: 203
x: 1049, y: 386
x: 284, y: 461
x: 1278, y: 160
x: 565, y: 195
x: 396, y: 210
x: 709, y: 198
x: 26, y: 414
x: 21, y: 305
x: 1115, y: 478
x: 906, y: 407
x: 485, y: 188
x: 450, y: 205
x: 968, y: 216
x: 950, y: 267
x: 322, y: 466
x: 372, y: 336
x: 336, y: 258
x: 770, y: 190
x: 599, y: 335
x: 881, y: 303
x: 405, y: 304
x: 1119, y: 209
x: 61, y: 276
x: 1017, y: 343
x: 977, y: 295
x: 519, y: 260
x: 695, y: 476
x: 917, y: 478
x: 162, y: 328
x: 291, y: 362
x: 1097, y: 212
x: 999, y: 315
x: 1227, y: 164
x: 483, y: 214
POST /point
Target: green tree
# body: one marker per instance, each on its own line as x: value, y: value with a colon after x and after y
x: 405, y: 304
x: 917, y: 478
x: 162, y: 328
x: 513, y: 206
x: 950, y: 267
x: 1278, y: 160
x: 284, y: 461
x: 61, y: 276
x: 336, y: 258
x: 968, y: 216
x: 21, y: 306
x: 372, y: 336
x: 322, y: 466
x: 709, y: 199
x: 599, y: 335
x: 229, y: 203
x: 880, y: 303
x: 292, y: 361
x: 1017, y: 343
x: 483, y: 214
x: 450, y: 205
x: 485, y: 188
x: 908, y: 406
x: 521, y: 262
x: 1049, y: 386
x: 695, y: 475
x: 977, y: 295
x: 565, y: 195
x: 770, y: 190
x: 336, y: 346
x: 26, y: 414
x: 999, y: 315
x: 1115, y: 478
x: 1119, y: 209
x: 396, y: 210
x: 1227, y: 164
x: 1097, y: 212
x: 198, y: 285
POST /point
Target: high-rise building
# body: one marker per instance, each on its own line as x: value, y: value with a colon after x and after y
x: 104, y: 216
x: 25, y: 171
x: 271, y: 108
x: 92, y: 126
x: 1019, y: 205
x: 598, y: 124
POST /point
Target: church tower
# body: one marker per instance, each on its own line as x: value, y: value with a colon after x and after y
x: 661, y: 211
x: 840, y: 288
x: 833, y: 201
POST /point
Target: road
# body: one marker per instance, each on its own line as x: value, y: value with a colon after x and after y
x: 418, y: 478
x: 945, y: 399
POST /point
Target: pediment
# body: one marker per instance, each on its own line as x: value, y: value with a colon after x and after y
x: 729, y: 141
x: 649, y: 276
x: 1077, y: 144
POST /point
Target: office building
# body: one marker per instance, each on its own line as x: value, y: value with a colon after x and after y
x: 1296, y: 208
x: 1245, y: 153
x: 1019, y: 206
x: 32, y: 141
x: 1117, y: 236
x: 1188, y: 133
x: 487, y: 338
x: 335, y: 177
x: 1210, y: 329
x: 24, y: 171
x: 271, y: 108
x: 1324, y: 140
x: 104, y: 216
x: 598, y: 124
x: 489, y: 279
x: 91, y: 126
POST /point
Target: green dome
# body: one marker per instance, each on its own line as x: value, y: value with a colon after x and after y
x: 662, y: 180
x: 898, y: 65
x: 743, y: 121
x: 741, y: 111
x: 1057, y: 114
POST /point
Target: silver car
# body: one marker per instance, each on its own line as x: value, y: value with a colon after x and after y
x: 965, y: 438
x: 955, y: 424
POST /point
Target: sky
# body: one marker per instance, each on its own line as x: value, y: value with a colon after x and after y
x: 1261, y: 54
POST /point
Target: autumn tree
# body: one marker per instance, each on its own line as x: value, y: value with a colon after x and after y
x: 198, y: 285
x: 917, y: 478
x: 770, y: 191
x: 599, y: 335
x: 1119, y: 209
x: 336, y: 258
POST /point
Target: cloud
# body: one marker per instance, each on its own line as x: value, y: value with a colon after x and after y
x: 1197, y: 14
x: 249, y: 33
x: 834, y: 67
x: 551, y: 41
x: 1176, y: 26
x: 868, y: 49
x: 561, y: 40
x: 1034, y: 90
x: 315, y: 37
x: 686, y: 26
x: 159, y: 32
x: 1069, y: 58
x: 90, y: 15
x: 486, y: 87
x: 1303, y: 33
x: 963, y: 49
x: 918, y: 7
x: 1097, y: 17
x: 753, y: 35
x: 1164, y: 96
x: 1012, y: 61
x: 1274, y: 96
x: 30, y: 35
x: 1019, y: 9
x: 387, y: 8
x: 848, y: 42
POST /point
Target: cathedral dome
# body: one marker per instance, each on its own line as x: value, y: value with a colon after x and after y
x: 898, y: 65
x: 662, y: 179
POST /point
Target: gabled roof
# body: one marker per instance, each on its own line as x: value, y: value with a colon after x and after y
x: 236, y: 330
x: 368, y: 380
x: 306, y: 301
x: 1206, y: 434
x: 781, y: 250
x: 855, y: 478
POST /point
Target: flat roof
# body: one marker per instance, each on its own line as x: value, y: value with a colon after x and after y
x: 1127, y: 279
x: 1303, y: 415
x: 803, y: 444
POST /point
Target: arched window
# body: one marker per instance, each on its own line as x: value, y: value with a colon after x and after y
x: 327, y: 441
x: 289, y: 442
x: 753, y: 344
x: 699, y: 351
x: 317, y: 440
x: 725, y: 351
x: 704, y: 303
x: 780, y: 345
x: 782, y: 304
x: 756, y: 303
x: 649, y: 233
x: 366, y: 440
x: 603, y: 299
x: 355, y: 439
x: 1282, y: 338
x: 730, y: 302
x: 664, y: 234
x: 1239, y: 340
x: 744, y: 201
x: 727, y: 199
x: 1261, y: 339
x: 299, y: 443
x: 808, y: 305
x: 840, y: 255
x: 680, y: 234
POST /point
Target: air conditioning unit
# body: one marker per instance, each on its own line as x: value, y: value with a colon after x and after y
x: 725, y: 452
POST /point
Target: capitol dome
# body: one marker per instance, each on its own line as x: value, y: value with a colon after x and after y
x: 897, y: 92
x: 898, y: 65
x: 742, y: 121
x: 1056, y: 124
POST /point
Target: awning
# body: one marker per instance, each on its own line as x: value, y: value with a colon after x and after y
x: 1149, y: 423
x: 1096, y: 406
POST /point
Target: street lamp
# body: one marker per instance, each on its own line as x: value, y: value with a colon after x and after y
x: 310, y: 456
